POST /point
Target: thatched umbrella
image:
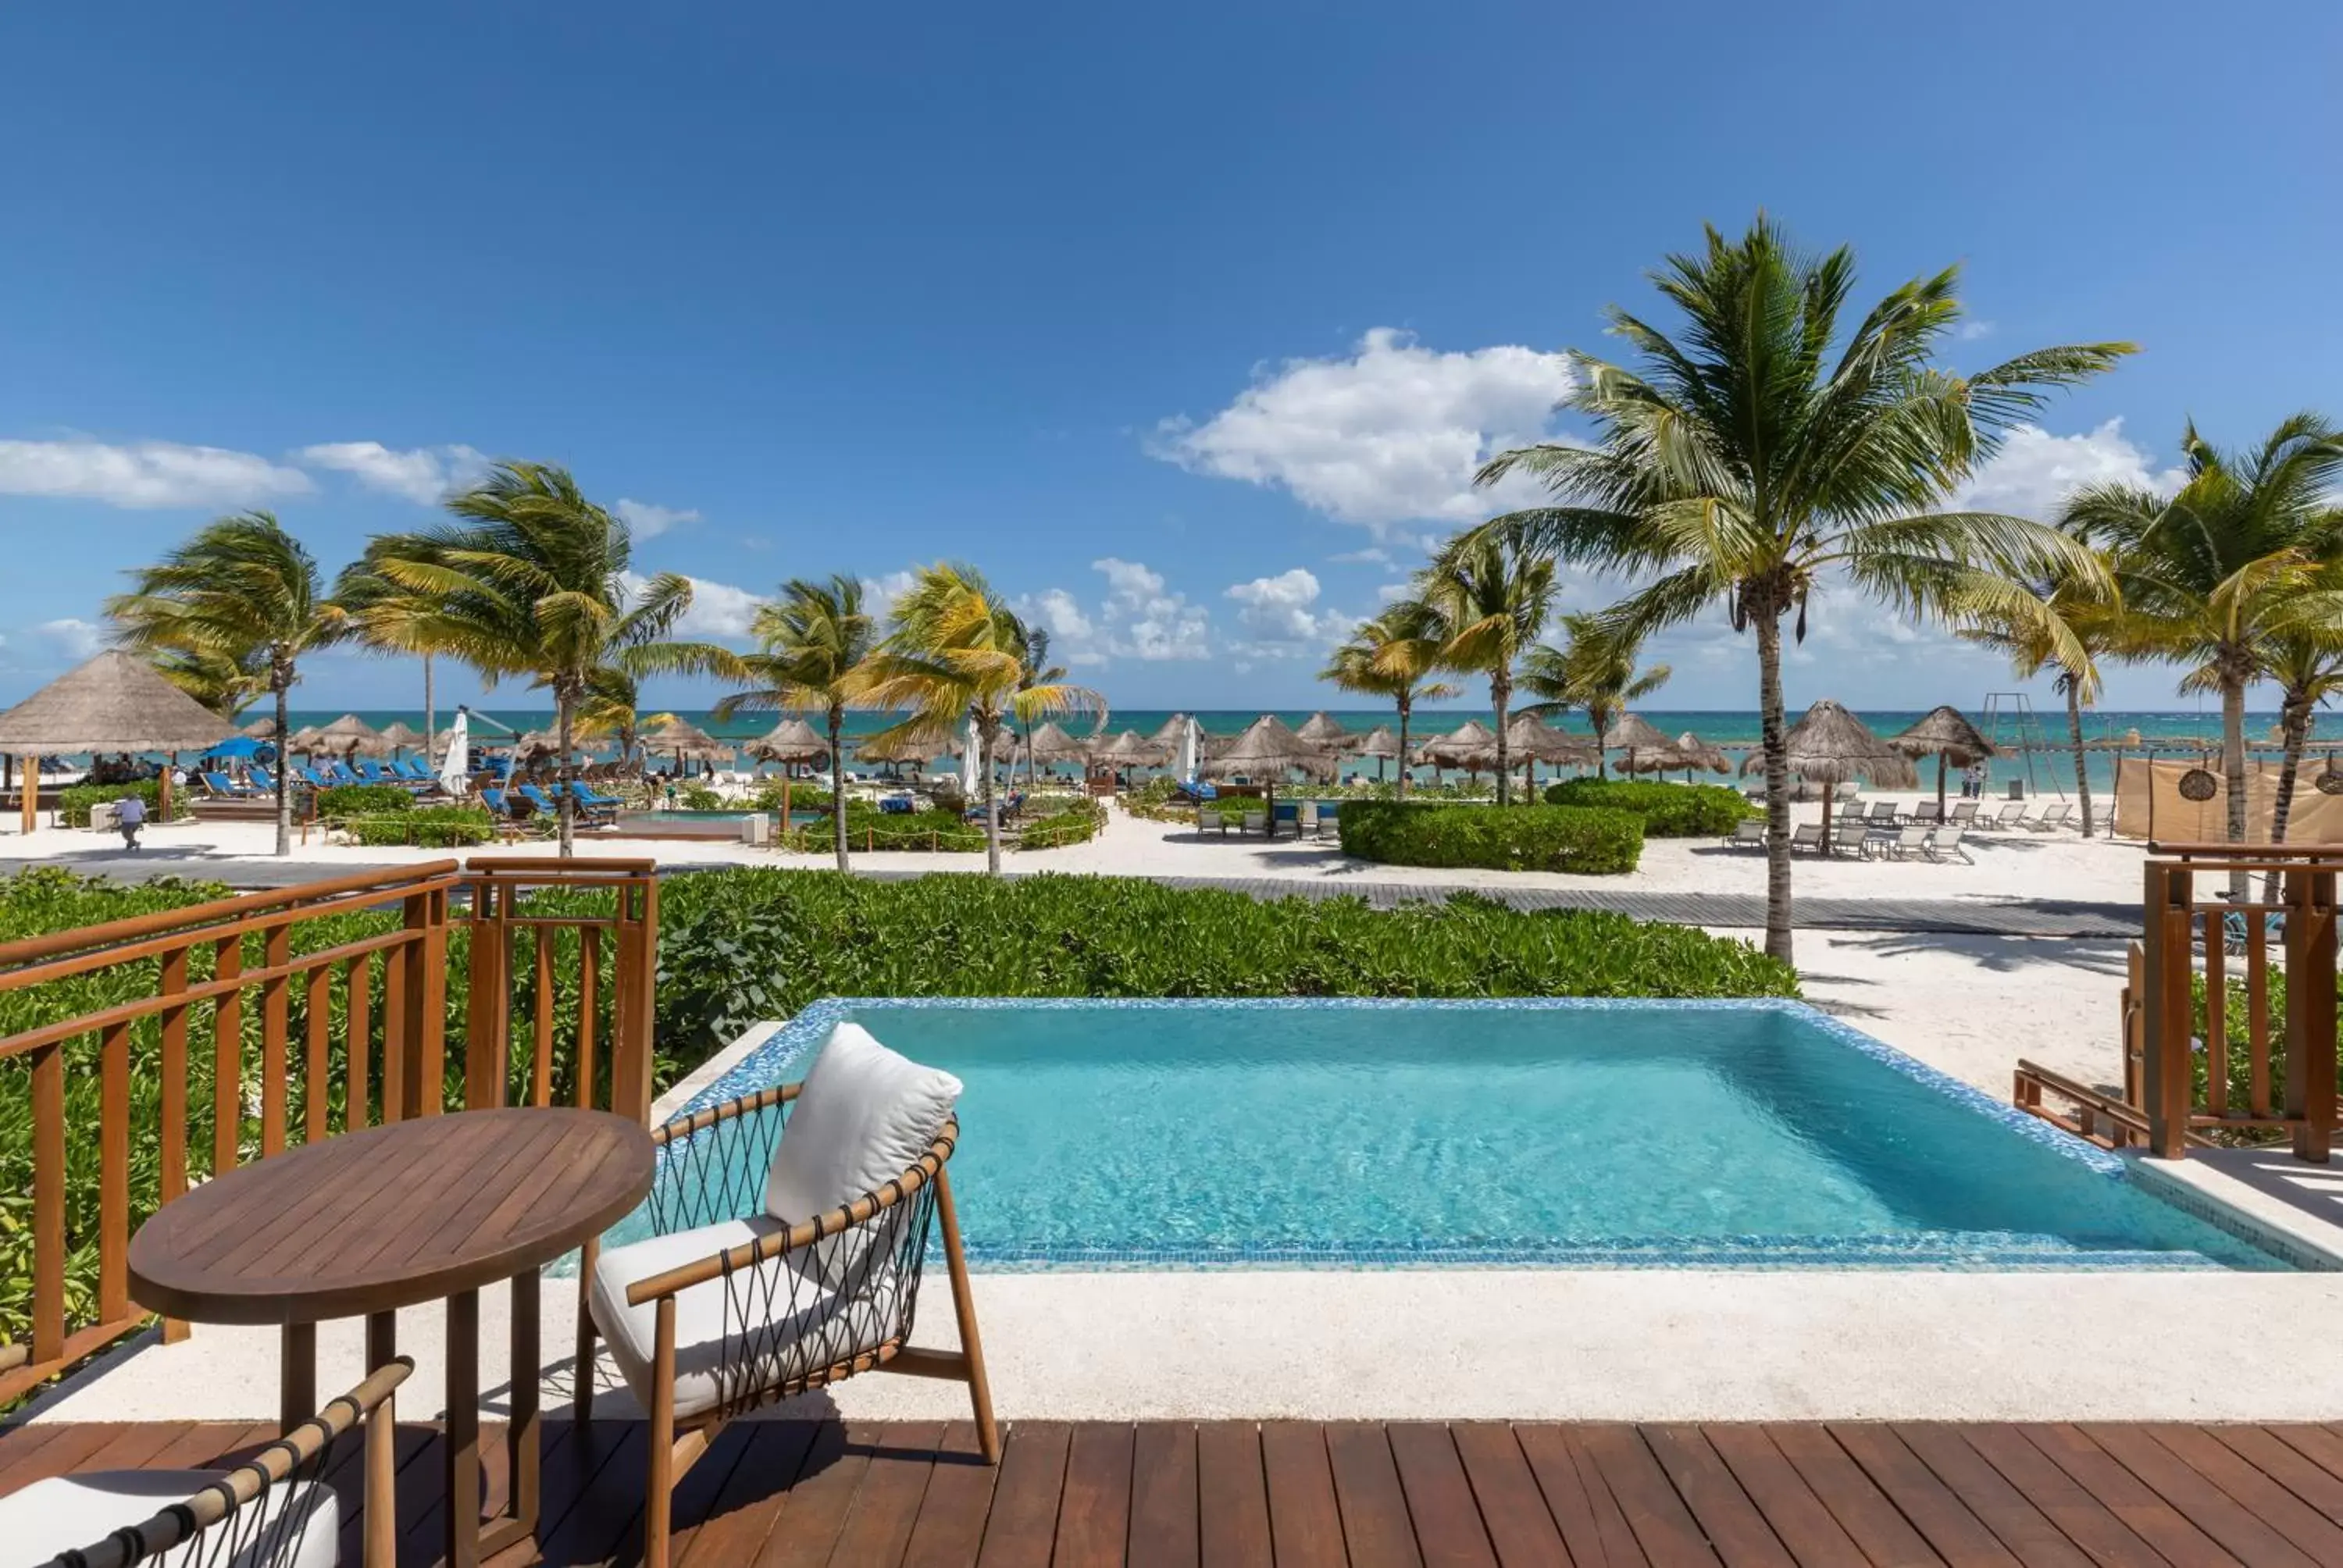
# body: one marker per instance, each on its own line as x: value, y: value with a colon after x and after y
x: 349, y: 735
x: 399, y: 736
x: 1631, y: 733
x: 1951, y: 738
x: 1171, y: 732
x: 1696, y: 753
x: 1131, y: 749
x: 259, y: 730
x: 116, y: 702
x: 1268, y: 746
x: 1382, y: 745
x: 1530, y: 741
x: 1451, y: 750
x: 687, y: 741
x: 1830, y: 746
x: 1322, y: 728
x: 790, y: 741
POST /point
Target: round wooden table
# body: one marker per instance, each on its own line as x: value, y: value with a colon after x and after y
x: 391, y: 1217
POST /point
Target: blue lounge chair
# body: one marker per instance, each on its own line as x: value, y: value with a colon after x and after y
x: 500, y: 804
x: 369, y: 772
x: 412, y: 769
x: 592, y: 808
x: 538, y: 798
x: 313, y: 778
x: 225, y: 787
x: 262, y: 779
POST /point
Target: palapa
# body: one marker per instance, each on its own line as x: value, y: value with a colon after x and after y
x: 1382, y: 745
x: 1049, y: 742
x: 1451, y: 750
x: 1322, y: 728
x: 349, y: 735
x: 1945, y: 733
x: 1830, y: 746
x: 1529, y: 741
x: 1634, y: 735
x: 791, y: 740
x: 398, y: 734
x: 116, y: 702
x: 1171, y: 732
x: 1132, y: 749
x: 259, y: 730
x: 1702, y: 754
x: 1268, y: 746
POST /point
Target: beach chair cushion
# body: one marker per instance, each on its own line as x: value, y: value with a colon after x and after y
x: 66, y: 1513
x: 812, y: 1327
x: 865, y: 1116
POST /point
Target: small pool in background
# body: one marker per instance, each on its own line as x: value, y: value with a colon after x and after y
x: 1570, y: 1134
x: 681, y: 824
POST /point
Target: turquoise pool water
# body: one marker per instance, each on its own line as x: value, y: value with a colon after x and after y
x: 1566, y: 1133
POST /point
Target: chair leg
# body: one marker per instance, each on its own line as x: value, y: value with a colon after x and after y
x: 971, y: 1344
x: 581, y: 1395
x: 658, y: 1495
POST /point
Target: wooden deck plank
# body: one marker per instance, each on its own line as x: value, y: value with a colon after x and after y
x: 949, y: 1530
x: 2263, y: 1497
x: 2317, y: 1444
x: 601, y: 1500
x: 1024, y: 1523
x: 696, y: 1496
x: 1521, y: 1530
x: 754, y: 1495
x: 1959, y: 1537
x: 2147, y: 1515
x: 2031, y: 1535
x: 1593, y: 1530
x: 1664, y: 1526
x: 1376, y: 1527
x: 878, y: 1522
x: 1164, y: 1500
x: 2314, y: 1486
x: 1233, y: 1527
x: 2205, y: 1504
x: 1875, y: 1523
x: 809, y: 1525
x: 1799, y: 1519
x: 1095, y: 1506
x: 1450, y: 1530
x: 2079, y: 1516
x: 1735, y: 1527
x: 1305, y: 1522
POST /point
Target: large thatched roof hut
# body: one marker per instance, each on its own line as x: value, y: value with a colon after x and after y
x: 114, y: 702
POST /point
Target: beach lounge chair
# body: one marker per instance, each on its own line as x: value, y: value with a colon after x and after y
x: 503, y: 805
x: 262, y: 779
x: 1963, y: 813
x: 1257, y: 822
x: 2053, y: 818
x: 1906, y: 842
x: 786, y: 1254
x: 1328, y: 817
x: 1209, y: 821
x: 1927, y: 811
x: 1806, y: 835
x: 1305, y: 819
x: 273, y: 1511
x: 225, y: 787
x: 1749, y: 835
x: 2012, y: 816
x: 1944, y: 845
x: 1883, y: 812
x: 1852, y: 815
x: 546, y: 805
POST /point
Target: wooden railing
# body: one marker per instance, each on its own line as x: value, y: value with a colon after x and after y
x: 326, y: 1008
x: 2272, y: 1066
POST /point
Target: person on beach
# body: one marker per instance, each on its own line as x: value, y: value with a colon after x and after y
x: 130, y: 815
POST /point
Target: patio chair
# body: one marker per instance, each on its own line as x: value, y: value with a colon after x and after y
x: 1806, y: 835
x: 273, y: 1511
x: 1963, y: 813
x: 1945, y: 844
x: 225, y: 787
x: 262, y: 779
x: 2053, y: 818
x: 1210, y: 822
x: 1904, y: 842
x: 1305, y: 819
x: 1257, y: 822
x: 1927, y: 811
x: 1330, y: 818
x: 546, y: 805
x: 313, y: 778
x: 2012, y: 816
x: 791, y: 1227
x: 1883, y: 813
x: 1852, y: 815
x: 1748, y: 835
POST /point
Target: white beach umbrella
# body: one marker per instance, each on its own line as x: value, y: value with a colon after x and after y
x: 456, y: 766
x: 971, y: 779
x: 1188, y: 749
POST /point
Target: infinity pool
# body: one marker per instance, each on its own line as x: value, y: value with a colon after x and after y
x: 1565, y: 1133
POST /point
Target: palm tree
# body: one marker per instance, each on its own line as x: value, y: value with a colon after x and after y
x: 243, y: 592
x: 2307, y: 668
x: 1493, y: 596
x: 225, y: 685
x: 1594, y: 672
x: 532, y: 579
x: 389, y: 619
x: 2068, y: 623
x: 814, y: 647
x: 1768, y: 452
x: 2242, y: 554
x: 954, y: 651
x: 1034, y: 668
x: 1393, y: 656
x: 610, y: 710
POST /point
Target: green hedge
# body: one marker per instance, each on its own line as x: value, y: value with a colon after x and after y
x: 1668, y: 811
x: 1077, y: 822
x: 363, y: 800
x: 76, y: 801
x: 1585, y: 840
x: 428, y: 827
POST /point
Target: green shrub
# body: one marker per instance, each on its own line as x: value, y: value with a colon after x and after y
x: 742, y: 944
x: 869, y: 829
x: 803, y: 796
x: 76, y: 801
x: 1668, y: 811
x: 699, y: 797
x: 428, y: 827
x: 362, y: 800
x: 1076, y: 821
x: 1586, y: 839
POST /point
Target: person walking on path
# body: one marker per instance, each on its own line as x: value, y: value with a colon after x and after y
x: 130, y: 815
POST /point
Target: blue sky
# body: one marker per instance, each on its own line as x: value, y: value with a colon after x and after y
x: 1188, y: 325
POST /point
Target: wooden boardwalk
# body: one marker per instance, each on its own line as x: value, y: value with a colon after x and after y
x: 1358, y: 1493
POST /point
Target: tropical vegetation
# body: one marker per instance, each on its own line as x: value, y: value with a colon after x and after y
x: 1591, y: 841
x: 1595, y: 672
x: 1667, y: 811
x: 1487, y: 597
x: 1393, y: 656
x: 815, y: 645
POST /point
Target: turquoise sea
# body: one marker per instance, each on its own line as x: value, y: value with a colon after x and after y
x: 2052, y: 771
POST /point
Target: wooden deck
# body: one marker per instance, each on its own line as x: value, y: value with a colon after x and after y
x: 1577, y: 1496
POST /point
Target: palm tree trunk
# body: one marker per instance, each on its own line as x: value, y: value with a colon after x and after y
x: 2294, y: 715
x: 1601, y: 719
x: 431, y: 716
x: 564, y: 807
x: 837, y: 797
x: 279, y: 682
x: 2233, y: 767
x: 2082, y: 762
x: 1777, y: 786
x: 1406, y: 707
x: 1500, y: 688
x: 985, y: 729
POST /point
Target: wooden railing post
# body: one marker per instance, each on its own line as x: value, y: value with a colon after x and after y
x: 2310, y: 1012
x: 424, y: 1042
x: 49, y: 1203
x: 227, y: 1059
x: 2134, y: 991
x: 632, y: 1006
x: 486, y: 1034
x: 2167, y: 1007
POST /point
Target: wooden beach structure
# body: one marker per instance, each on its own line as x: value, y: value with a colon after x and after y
x: 114, y: 702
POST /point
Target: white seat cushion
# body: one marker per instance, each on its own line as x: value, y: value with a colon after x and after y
x: 781, y: 1324
x: 864, y: 1116
x: 299, y: 1524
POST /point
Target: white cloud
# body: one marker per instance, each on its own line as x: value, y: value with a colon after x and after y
x: 2035, y: 471
x: 1057, y: 609
x: 1373, y: 555
x: 647, y: 520
x: 1974, y: 328
x: 880, y: 594
x: 718, y: 610
x: 144, y: 474
x: 1143, y: 619
x: 1389, y: 435
x: 424, y: 475
x: 75, y: 638
x: 1280, y: 615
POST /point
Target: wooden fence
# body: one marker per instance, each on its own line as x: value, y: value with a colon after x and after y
x: 156, y: 1051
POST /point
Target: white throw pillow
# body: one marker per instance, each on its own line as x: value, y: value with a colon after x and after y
x: 865, y: 1115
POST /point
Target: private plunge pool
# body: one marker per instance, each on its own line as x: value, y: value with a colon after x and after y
x: 1556, y: 1134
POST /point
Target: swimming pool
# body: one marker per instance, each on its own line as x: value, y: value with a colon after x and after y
x: 1573, y: 1133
